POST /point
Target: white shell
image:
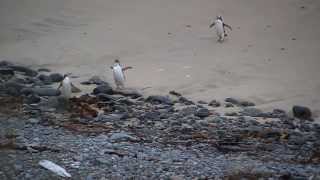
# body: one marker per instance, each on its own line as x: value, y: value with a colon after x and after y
x: 54, y: 168
x: 219, y: 29
x: 118, y: 75
x: 66, y: 88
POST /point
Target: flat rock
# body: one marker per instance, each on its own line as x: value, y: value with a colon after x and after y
x: 41, y: 91
x: 56, y: 77
x: 159, y: 99
x: 6, y: 71
x: 202, y: 112
x: 45, y: 79
x: 118, y: 137
x: 214, y: 103
x: 27, y: 71
x: 94, y: 80
x: 128, y: 92
x: 103, y: 89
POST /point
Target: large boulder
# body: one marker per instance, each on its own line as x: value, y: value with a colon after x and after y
x: 27, y: 71
x: 301, y: 112
x: 104, y: 89
x: 41, y: 91
x: 56, y: 77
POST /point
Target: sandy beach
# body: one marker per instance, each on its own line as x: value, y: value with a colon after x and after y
x: 271, y: 57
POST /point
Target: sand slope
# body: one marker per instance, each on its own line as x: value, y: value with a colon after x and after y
x: 271, y: 57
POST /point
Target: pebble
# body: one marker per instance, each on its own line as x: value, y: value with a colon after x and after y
x: 202, y: 112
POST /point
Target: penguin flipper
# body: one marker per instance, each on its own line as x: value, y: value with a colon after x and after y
x: 126, y: 68
x: 213, y: 24
x: 228, y: 26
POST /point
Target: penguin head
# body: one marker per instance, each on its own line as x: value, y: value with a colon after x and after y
x: 116, y: 62
x: 66, y: 75
x: 219, y: 17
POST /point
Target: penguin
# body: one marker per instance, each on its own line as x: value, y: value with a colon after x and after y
x: 118, y: 73
x: 220, y: 28
x: 66, y: 87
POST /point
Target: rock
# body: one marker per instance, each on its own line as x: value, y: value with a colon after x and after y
x: 45, y: 79
x: 13, y: 88
x: 122, y: 136
x: 215, y: 103
x: 128, y: 92
x: 185, y: 101
x: 75, y: 89
x: 43, y: 70
x: 104, y: 89
x: 94, y: 80
x: 246, y: 103
x: 32, y: 99
x: 301, y: 112
x: 159, y: 99
x: 202, y: 102
x: 187, y: 111
x: 105, y: 97
x: 6, y: 71
x: 33, y: 121
x: 27, y: 71
x: 5, y: 63
x: 231, y: 114
x: 202, y: 112
x: 41, y: 91
x: 175, y: 93
x: 232, y: 100
x: 253, y: 112
x: 239, y: 102
x: 56, y: 77
x: 228, y: 105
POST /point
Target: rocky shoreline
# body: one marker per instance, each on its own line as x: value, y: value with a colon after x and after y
x: 120, y: 134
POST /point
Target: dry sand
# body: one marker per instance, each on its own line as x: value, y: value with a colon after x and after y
x: 271, y: 57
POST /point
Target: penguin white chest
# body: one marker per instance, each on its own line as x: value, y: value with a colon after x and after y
x: 66, y: 88
x: 118, y: 75
x: 219, y: 28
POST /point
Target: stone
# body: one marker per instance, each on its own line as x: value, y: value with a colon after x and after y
x: 105, y: 97
x: 159, y: 99
x: 239, y: 102
x: 228, y: 105
x: 56, y: 77
x: 185, y: 101
x: 215, y: 103
x: 94, y: 80
x: 75, y: 89
x: 104, y: 89
x: 122, y: 136
x: 33, y: 121
x: 253, y: 112
x: 175, y: 93
x: 302, y: 112
x: 202, y: 112
x: 27, y: 71
x: 202, y: 102
x: 43, y: 70
x: 134, y: 94
x: 6, y: 71
x: 32, y: 99
x: 232, y: 100
x: 188, y: 110
x: 231, y: 114
x: 41, y: 91
x: 5, y: 63
x: 45, y: 79
x: 13, y: 88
